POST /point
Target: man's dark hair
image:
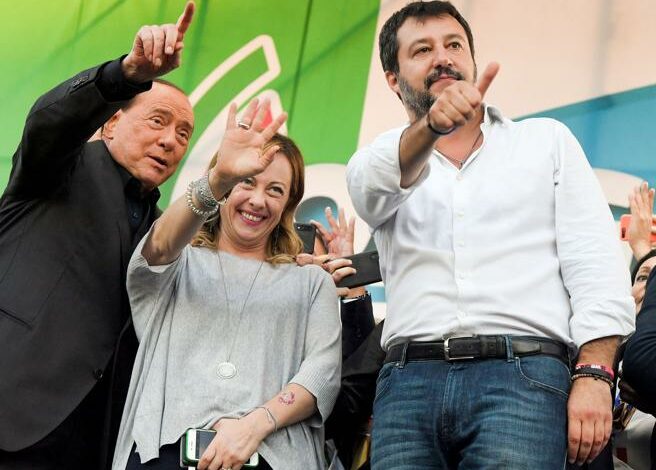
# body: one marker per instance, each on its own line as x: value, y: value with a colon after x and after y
x: 639, y: 263
x: 388, y: 42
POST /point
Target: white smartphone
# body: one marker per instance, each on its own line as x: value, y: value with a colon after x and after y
x: 193, y: 445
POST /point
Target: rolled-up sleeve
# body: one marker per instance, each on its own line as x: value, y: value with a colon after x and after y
x: 592, y: 266
x: 320, y: 369
x: 373, y: 177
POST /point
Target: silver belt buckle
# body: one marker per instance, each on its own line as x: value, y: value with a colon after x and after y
x: 446, y: 349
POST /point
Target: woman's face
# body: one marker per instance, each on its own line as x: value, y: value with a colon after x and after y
x: 640, y: 284
x: 255, y: 207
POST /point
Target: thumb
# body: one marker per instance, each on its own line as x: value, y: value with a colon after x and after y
x: 267, y: 157
x: 486, y: 79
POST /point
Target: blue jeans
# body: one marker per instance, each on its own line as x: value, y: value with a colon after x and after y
x: 479, y: 414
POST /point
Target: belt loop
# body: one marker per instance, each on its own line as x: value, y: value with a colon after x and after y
x: 401, y: 364
x: 510, y: 355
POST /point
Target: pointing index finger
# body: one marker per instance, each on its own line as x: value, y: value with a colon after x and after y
x: 185, y: 19
x: 486, y: 79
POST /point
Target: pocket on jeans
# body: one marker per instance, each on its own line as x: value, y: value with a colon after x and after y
x: 384, y: 380
x: 545, y: 372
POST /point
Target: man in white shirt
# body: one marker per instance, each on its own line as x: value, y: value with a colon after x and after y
x: 491, y: 228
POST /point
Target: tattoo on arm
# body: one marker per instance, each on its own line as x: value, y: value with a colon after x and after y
x: 287, y: 398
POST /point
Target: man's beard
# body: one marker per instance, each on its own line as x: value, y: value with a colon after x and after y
x: 420, y: 101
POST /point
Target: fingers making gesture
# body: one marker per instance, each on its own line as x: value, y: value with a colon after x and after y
x: 242, y: 153
x: 339, y: 240
x: 157, y: 49
x: 459, y: 102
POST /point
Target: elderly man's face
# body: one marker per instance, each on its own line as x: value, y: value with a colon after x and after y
x: 150, y: 137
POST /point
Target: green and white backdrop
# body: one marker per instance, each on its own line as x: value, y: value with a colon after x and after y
x: 588, y: 63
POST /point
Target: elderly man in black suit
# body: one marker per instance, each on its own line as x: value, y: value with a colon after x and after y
x: 70, y: 217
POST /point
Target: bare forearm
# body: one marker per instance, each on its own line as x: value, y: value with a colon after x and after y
x: 599, y: 351
x: 293, y: 404
x: 414, y: 151
x: 171, y: 233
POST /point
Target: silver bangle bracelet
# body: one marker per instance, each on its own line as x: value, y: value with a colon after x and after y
x: 204, y: 193
x: 270, y: 417
x: 191, y: 189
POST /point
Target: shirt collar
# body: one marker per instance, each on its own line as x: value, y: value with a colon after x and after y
x: 493, y: 116
x: 132, y: 186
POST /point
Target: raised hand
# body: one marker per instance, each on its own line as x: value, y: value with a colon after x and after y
x: 641, y: 204
x: 157, y: 49
x: 242, y: 153
x: 339, y: 240
x: 459, y: 102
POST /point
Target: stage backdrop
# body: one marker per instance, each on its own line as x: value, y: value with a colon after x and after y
x: 589, y: 64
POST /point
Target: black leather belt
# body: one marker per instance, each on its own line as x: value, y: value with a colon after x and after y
x: 459, y: 348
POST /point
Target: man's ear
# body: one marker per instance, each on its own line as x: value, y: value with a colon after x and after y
x: 392, y: 82
x: 110, y: 125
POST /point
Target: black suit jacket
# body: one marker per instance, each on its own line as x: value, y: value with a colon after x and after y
x: 362, y: 359
x: 65, y: 243
x: 639, y: 365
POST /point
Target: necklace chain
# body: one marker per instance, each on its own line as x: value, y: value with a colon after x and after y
x: 227, y: 362
x: 460, y: 163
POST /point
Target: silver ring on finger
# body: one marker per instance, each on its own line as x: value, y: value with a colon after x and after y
x: 246, y: 127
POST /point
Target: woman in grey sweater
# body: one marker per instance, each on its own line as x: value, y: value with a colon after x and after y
x: 234, y: 336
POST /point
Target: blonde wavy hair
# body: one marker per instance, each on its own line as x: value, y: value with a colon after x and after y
x: 284, y: 243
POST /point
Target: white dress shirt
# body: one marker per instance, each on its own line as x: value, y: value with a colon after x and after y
x: 519, y: 241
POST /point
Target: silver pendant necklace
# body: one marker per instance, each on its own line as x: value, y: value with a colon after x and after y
x: 227, y: 369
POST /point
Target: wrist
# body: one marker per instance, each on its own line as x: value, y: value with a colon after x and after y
x: 130, y: 70
x: 221, y: 184
x: 590, y: 379
x: 435, y: 131
x: 356, y: 293
x: 640, y: 249
x: 601, y: 369
x: 598, y: 372
x: 259, y: 422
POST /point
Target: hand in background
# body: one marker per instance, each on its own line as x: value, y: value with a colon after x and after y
x: 339, y: 240
x: 339, y: 243
x: 338, y: 268
x: 641, y: 204
x: 157, y: 49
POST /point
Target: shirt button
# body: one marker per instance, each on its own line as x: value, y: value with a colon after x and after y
x: 98, y: 374
x: 460, y: 214
x: 459, y: 176
x: 461, y: 243
x: 462, y: 314
x: 461, y: 275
